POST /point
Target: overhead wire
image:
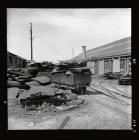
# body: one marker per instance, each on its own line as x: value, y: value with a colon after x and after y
x: 52, y: 47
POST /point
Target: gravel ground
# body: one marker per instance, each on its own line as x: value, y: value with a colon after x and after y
x: 98, y: 112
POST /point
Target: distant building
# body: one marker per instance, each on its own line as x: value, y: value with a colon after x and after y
x: 15, y: 60
x: 112, y: 57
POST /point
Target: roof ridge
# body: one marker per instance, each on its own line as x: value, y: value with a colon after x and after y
x: 126, y: 39
x: 119, y: 43
x: 16, y: 55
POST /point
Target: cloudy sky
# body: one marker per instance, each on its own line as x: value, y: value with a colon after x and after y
x: 59, y: 31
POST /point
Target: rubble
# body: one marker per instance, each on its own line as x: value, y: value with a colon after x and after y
x: 45, y: 107
x: 44, y: 90
x: 125, y: 80
x: 112, y: 75
x: 13, y: 83
x: 32, y: 83
x: 23, y: 78
x: 59, y: 91
x: 10, y: 79
x: 39, y: 94
x: 36, y: 92
x: 17, y: 73
x: 70, y: 95
x: 75, y: 102
x: 46, y: 98
x: 17, y: 78
x: 8, y: 75
x: 43, y: 80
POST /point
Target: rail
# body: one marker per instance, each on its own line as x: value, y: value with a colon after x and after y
x: 110, y: 94
x: 64, y: 122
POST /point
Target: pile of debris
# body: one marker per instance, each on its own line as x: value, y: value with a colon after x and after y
x: 122, y: 79
x: 24, y: 78
x: 48, y: 98
x: 112, y: 75
x: 38, y: 93
x: 18, y: 77
x: 125, y: 80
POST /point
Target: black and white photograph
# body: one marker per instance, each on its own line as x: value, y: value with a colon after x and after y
x: 69, y: 68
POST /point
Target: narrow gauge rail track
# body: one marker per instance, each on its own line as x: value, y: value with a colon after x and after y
x: 64, y: 122
x: 111, y: 95
x: 126, y: 96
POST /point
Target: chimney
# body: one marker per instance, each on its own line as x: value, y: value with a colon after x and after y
x: 84, y: 51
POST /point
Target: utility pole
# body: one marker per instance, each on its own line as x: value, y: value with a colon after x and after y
x: 31, y: 41
x: 72, y: 52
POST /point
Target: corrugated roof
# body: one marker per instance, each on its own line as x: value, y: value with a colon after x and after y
x: 119, y: 47
x: 16, y: 55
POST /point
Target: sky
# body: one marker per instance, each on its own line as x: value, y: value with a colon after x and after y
x: 60, y: 33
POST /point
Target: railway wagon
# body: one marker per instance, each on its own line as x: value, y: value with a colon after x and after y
x: 75, y: 79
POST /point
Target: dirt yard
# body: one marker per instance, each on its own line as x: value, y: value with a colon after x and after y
x: 98, y: 112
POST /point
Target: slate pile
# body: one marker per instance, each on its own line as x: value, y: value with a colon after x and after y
x: 38, y: 92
